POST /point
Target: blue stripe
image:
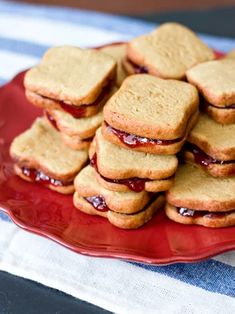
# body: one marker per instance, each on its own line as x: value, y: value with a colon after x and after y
x: 100, y: 20
x: 4, y: 217
x: 2, y: 81
x: 125, y: 25
x: 210, y: 275
x: 22, y: 47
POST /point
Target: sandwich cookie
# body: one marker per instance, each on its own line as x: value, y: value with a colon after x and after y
x: 76, y: 133
x: 128, y: 210
x: 198, y: 198
x: 216, y: 82
x: 150, y: 114
x: 168, y: 52
x: 118, y: 52
x: 41, y: 157
x: 120, y: 169
x: 212, y: 146
x: 78, y: 81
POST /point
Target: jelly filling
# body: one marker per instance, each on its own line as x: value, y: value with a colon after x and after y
x: 133, y: 141
x: 80, y: 111
x: 134, y: 184
x: 228, y: 107
x: 187, y: 212
x: 138, y: 69
x: 54, y: 124
x: 98, y: 202
x: 40, y: 177
x: 52, y: 120
x: 202, y: 158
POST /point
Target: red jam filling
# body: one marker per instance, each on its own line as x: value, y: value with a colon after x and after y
x: 52, y: 120
x: 202, y: 158
x: 98, y: 202
x: 186, y: 212
x: 228, y: 107
x: 54, y: 124
x: 219, y: 54
x: 134, y: 184
x: 40, y: 177
x: 80, y: 111
x: 132, y: 140
x: 138, y: 69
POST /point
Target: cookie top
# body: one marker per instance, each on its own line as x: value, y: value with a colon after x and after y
x: 71, y: 74
x: 169, y: 51
x: 118, y: 52
x: 195, y: 189
x: 151, y: 107
x: 116, y: 162
x: 215, y: 139
x: 83, y: 127
x: 215, y: 80
x: 87, y: 185
x: 40, y: 147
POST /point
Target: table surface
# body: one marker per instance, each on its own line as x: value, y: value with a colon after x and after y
x: 20, y: 296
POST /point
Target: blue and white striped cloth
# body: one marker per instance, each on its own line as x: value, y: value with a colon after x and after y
x: 26, y: 31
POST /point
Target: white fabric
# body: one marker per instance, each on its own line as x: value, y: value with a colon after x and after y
x: 114, y: 285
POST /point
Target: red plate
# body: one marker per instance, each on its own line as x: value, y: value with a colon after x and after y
x: 39, y: 210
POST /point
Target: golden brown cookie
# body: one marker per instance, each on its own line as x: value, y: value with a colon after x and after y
x: 82, y: 128
x: 167, y: 52
x: 72, y: 79
x: 118, y: 52
x: 40, y: 156
x: 120, y: 169
x: 150, y: 114
x: 216, y: 82
x: 212, y: 146
x: 198, y: 198
x: 125, y: 210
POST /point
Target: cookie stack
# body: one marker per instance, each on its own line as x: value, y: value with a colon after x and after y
x: 139, y: 128
x: 71, y: 85
x: 146, y: 122
x: 204, y: 190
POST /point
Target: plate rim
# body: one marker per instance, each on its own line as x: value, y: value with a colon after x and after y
x: 117, y: 254
x: 95, y: 252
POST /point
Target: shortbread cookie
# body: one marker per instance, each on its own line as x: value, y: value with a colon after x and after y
x: 150, y: 114
x: 40, y: 156
x: 120, y: 169
x: 76, y: 142
x: 120, y: 220
x: 198, y: 198
x: 167, y: 52
x: 118, y: 52
x: 73, y: 79
x: 125, y: 210
x: 216, y: 82
x: 212, y: 146
x: 82, y: 128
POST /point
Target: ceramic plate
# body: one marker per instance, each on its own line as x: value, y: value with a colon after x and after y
x: 47, y: 213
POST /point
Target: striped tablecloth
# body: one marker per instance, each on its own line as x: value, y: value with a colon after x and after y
x: 26, y: 32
